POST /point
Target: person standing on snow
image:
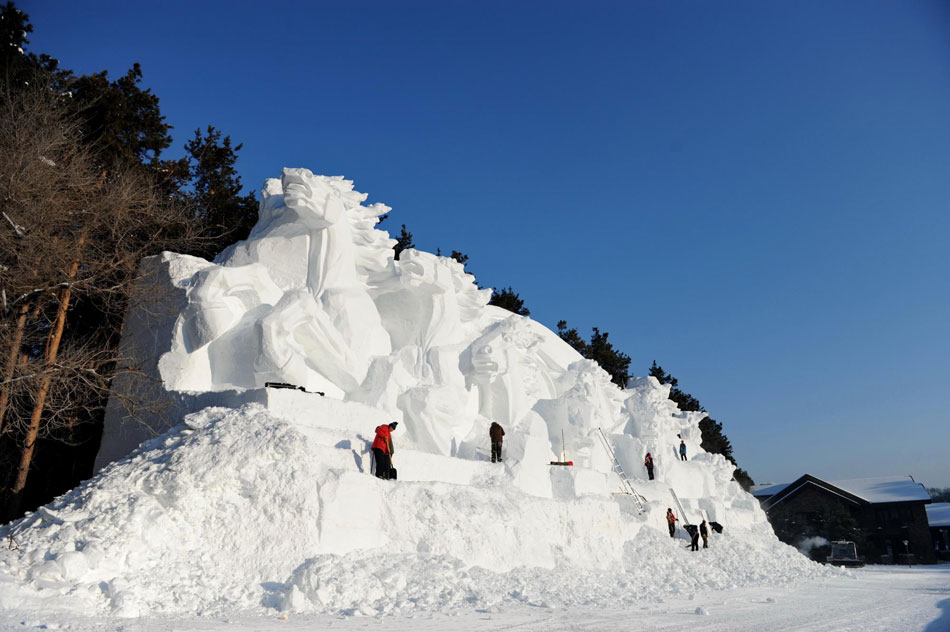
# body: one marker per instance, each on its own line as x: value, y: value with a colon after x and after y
x: 704, y: 531
x: 671, y: 520
x: 682, y: 449
x: 694, y: 539
x: 648, y: 462
x: 496, y: 433
x: 383, y: 450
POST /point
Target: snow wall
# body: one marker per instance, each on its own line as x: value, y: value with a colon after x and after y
x: 262, y: 498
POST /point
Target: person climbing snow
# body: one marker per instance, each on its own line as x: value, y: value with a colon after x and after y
x: 496, y: 433
x: 704, y: 531
x: 671, y: 519
x: 383, y: 450
x: 682, y: 449
x: 648, y: 462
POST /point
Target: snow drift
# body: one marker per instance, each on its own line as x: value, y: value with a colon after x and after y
x: 240, y: 510
x: 265, y: 499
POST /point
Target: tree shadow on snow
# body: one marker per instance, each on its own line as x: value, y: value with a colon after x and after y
x: 943, y: 623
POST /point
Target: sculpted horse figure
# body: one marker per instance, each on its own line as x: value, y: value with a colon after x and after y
x: 317, y: 246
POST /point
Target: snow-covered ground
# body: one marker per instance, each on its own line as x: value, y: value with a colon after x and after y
x: 874, y: 599
x: 238, y: 510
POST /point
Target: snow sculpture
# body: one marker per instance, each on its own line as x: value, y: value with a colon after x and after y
x: 289, y: 304
x: 332, y: 329
x: 509, y: 374
x: 427, y: 311
x: 314, y: 297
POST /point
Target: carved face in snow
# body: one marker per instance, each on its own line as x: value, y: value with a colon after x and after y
x: 510, y: 342
x: 421, y: 268
x: 319, y: 201
x: 488, y: 360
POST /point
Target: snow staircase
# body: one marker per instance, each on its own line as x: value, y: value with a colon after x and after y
x: 625, y: 485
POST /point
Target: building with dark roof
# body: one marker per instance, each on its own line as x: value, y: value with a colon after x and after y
x: 885, y: 516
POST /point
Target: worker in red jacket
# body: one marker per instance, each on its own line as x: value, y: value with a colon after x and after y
x: 648, y: 462
x: 672, y: 520
x: 383, y: 450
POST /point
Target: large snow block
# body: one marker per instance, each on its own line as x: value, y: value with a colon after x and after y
x: 413, y: 465
x: 312, y: 410
x: 573, y: 482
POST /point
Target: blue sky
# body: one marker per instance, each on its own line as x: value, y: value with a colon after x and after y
x: 754, y: 194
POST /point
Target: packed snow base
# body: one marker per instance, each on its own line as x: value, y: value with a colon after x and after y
x: 239, y: 510
x: 264, y: 498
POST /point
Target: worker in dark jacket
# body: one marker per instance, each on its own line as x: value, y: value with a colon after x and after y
x: 383, y: 450
x: 682, y: 449
x: 704, y: 531
x: 671, y: 521
x: 648, y: 462
x: 496, y: 433
x: 693, y: 537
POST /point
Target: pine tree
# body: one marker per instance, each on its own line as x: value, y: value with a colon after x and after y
x: 611, y: 360
x: 122, y: 122
x: 684, y: 401
x: 403, y: 242
x: 508, y: 299
x: 14, y: 28
x: 571, y: 337
x: 227, y: 214
x: 616, y: 363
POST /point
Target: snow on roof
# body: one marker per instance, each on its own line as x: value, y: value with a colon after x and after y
x: 884, y: 489
x: 769, y: 489
x: 880, y: 489
x: 938, y: 514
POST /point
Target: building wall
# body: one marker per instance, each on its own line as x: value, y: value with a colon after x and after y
x: 892, y: 523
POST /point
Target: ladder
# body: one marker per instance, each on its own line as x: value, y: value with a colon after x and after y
x: 679, y: 506
x: 625, y: 485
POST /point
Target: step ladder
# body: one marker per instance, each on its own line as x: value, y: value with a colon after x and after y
x: 679, y: 506
x: 625, y: 485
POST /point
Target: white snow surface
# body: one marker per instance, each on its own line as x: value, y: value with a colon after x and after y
x: 258, y: 499
x: 871, y: 599
x: 885, y: 489
x: 237, y: 510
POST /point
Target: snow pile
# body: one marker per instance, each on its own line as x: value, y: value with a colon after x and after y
x: 264, y: 498
x: 240, y: 510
